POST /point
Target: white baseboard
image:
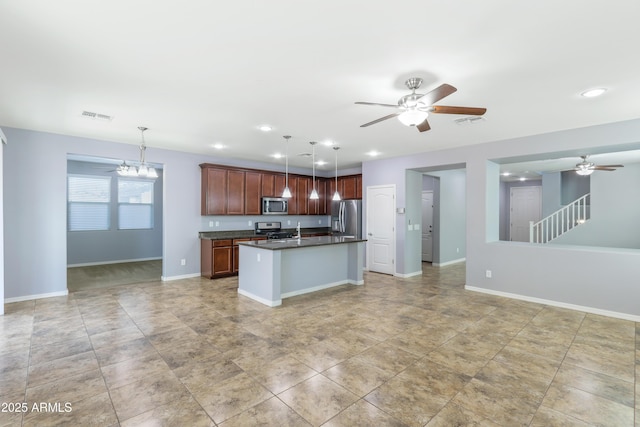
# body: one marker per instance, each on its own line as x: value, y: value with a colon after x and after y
x: 121, y: 261
x: 182, y: 276
x: 36, y: 296
x: 591, y: 310
x: 260, y: 299
x: 442, y: 264
x: 406, y: 275
x: 319, y: 288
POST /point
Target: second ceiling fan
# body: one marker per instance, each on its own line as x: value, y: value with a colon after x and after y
x: 414, y: 108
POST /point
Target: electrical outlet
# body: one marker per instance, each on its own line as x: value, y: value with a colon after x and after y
x: 210, y: 223
x: 217, y: 223
x: 457, y: 250
x: 320, y: 221
x: 183, y: 261
x: 488, y: 274
x: 258, y: 255
x: 288, y: 222
x: 249, y: 223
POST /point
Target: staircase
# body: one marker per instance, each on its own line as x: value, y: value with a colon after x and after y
x: 561, y: 221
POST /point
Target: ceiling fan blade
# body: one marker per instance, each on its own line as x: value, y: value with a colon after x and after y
x: 609, y: 166
x: 470, y: 111
x: 601, y: 168
x: 424, y: 126
x: 381, y: 119
x: 436, y: 95
x: 378, y: 104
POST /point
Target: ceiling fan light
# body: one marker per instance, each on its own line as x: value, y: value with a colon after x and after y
x: 412, y: 117
x: 584, y: 171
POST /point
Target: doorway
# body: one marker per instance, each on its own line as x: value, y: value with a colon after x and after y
x: 525, y: 205
x: 381, y: 234
x: 427, y: 226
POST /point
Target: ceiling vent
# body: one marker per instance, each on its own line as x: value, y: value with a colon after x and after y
x: 96, y: 116
x: 470, y: 119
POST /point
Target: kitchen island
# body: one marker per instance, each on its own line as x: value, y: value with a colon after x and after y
x: 272, y: 270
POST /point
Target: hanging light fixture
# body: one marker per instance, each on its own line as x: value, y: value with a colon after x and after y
x: 314, y: 192
x: 287, y: 192
x: 336, y: 195
x: 144, y: 170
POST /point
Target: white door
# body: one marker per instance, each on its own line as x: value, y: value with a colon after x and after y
x: 427, y: 226
x: 525, y: 206
x: 381, y: 241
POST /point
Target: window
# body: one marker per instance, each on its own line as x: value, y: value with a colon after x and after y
x: 135, y: 204
x: 88, y: 202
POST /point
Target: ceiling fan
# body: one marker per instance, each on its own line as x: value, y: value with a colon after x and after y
x: 414, y: 108
x: 587, y: 168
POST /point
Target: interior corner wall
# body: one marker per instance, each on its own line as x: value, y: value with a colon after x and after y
x: 413, y: 222
x: 551, y: 193
x: 2, y: 145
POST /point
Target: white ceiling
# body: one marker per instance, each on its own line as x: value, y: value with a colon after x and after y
x: 199, y: 72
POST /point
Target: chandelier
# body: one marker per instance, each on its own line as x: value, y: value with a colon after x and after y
x: 142, y: 171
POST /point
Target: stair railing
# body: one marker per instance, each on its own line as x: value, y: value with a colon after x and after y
x: 561, y: 221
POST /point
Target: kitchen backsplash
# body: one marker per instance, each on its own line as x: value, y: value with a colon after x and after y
x: 247, y: 222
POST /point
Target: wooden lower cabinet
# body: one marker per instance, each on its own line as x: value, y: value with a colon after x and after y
x: 216, y: 258
x: 236, y: 253
x: 220, y: 258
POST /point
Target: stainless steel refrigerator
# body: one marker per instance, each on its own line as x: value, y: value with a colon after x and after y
x: 346, y: 218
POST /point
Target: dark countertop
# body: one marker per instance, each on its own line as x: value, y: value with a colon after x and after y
x: 304, y: 242
x: 239, y: 234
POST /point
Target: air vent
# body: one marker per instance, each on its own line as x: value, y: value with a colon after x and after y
x: 304, y: 155
x: 471, y: 119
x: 96, y: 116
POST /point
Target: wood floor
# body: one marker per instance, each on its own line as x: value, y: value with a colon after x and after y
x: 420, y: 351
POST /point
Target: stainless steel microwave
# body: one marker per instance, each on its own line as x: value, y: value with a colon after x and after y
x: 275, y: 206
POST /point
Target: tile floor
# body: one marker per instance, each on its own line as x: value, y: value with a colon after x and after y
x: 394, y: 352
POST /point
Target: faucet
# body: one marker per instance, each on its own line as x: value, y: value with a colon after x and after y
x: 297, y: 236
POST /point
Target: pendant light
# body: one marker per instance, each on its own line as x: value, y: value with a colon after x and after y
x: 144, y: 170
x: 336, y: 195
x: 286, y: 193
x: 314, y: 193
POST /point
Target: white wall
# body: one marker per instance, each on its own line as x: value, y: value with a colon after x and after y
x: 597, y: 278
x: 1, y: 226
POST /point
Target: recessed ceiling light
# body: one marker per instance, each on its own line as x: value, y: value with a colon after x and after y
x: 506, y: 173
x: 218, y: 146
x: 328, y: 143
x: 592, y: 93
x: 277, y: 156
x: 373, y: 153
x: 321, y: 163
x: 265, y: 128
x: 522, y: 178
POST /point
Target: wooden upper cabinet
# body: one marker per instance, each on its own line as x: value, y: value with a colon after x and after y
x: 268, y: 184
x: 228, y: 190
x: 348, y: 187
x: 214, y: 191
x: 236, y: 192
x: 252, y: 192
x: 293, y: 201
x: 319, y: 207
x: 280, y: 183
x: 302, y: 194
